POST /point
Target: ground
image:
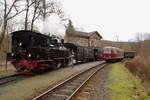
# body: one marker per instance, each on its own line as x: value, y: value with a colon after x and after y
x: 30, y: 87
x: 10, y: 69
x: 115, y: 82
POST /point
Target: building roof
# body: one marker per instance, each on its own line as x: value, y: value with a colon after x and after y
x: 83, y: 34
x: 96, y: 33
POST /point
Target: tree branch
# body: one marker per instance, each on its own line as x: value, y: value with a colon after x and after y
x: 11, y: 8
x: 15, y: 14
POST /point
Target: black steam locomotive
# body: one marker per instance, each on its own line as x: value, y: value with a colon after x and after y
x: 34, y: 52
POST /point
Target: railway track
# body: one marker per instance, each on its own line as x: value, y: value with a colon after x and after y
x: 11, y: 78
x: 88, y: 89
x: 69, y: 88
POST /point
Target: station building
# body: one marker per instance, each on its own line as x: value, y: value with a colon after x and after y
x: 89, y: 39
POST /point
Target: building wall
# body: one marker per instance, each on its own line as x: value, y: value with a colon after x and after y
x: 92, y: 41
x: 77, y: 40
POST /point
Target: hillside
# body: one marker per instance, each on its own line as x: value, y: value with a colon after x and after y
x: 129, y: 46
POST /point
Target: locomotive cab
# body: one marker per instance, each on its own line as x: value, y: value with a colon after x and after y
x: 25, y: 44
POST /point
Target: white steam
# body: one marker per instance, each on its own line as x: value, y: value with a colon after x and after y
x: 52, y: 26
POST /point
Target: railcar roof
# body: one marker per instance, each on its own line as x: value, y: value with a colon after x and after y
x: 111, y: 47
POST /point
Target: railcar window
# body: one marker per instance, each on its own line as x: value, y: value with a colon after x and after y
x: 115, y: 51
x: 118, y: 51
x: 112, y: 51
x: 107, y: 51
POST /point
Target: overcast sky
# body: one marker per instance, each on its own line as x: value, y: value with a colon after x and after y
x: 110, y: 17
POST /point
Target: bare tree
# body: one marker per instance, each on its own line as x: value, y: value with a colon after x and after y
x: 11, y: 10
x: 42, y: 8
x: 146, y: 36
x: 11, y: 26
x: 49, y: 7
x: 1, y: 21
x: 29, y: 3
x: 36, y: 12
x: 139, y: 39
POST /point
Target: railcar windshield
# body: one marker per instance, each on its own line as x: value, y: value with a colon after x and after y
x: 107, y: 51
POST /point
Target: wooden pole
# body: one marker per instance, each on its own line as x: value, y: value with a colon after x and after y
x: 6, y: 62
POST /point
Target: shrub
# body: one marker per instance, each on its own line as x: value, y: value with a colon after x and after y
x: 139, y: 66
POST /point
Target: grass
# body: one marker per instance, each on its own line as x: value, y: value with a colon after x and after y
x: 4, y: 73
x: 122, y: 85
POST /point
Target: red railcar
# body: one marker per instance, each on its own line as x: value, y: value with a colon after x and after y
x: 112, y: 54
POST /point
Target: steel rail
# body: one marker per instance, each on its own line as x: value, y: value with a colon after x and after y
x: 64, y: 82
x: 78, y: 89
x: 8, y: 76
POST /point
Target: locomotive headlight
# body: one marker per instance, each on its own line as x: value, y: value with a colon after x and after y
x: 12, y: 54
x: 29, y: 55
x: 20, y: 44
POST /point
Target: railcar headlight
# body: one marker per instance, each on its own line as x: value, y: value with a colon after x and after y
x: 29, y: 55
x: 20, y: 44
